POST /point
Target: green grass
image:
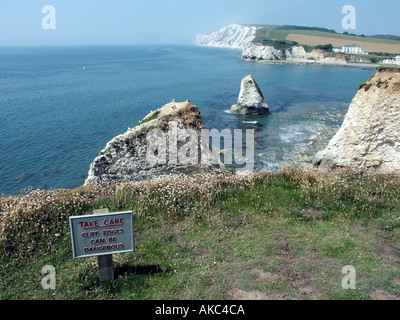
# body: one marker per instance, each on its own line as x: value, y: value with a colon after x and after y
x: 212, y: 236
x: 264, y: 32
x: 381, y: 68
x: 281, y: 34
x: 152, y: 117
x: 277, y: 36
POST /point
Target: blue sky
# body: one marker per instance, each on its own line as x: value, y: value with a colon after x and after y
x: 178, y: 21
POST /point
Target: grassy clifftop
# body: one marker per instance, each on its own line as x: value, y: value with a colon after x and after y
x: 310, y: 37
x: 284, y: 235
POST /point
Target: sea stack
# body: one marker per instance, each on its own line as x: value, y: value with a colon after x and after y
x: 167, y: 141
x: 251, y: 100
x: 369, y: 138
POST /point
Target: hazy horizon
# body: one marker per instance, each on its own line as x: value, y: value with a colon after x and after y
x: 123, y: 22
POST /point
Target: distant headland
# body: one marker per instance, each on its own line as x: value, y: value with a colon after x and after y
x: 310, y: 45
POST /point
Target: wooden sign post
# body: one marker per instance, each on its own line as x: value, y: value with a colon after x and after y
x: 105, y: 263
x: 102, y: 234
x: 106, y: 268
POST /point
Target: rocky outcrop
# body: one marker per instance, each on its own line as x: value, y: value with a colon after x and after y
x: 167, y: 141
x: 251, y: 99
x: 234, y: 36
x: 370, y: 135
x: 260, y: 52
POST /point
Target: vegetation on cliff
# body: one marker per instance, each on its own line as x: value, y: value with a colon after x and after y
x: 215, y: 235
x: 284, y: 37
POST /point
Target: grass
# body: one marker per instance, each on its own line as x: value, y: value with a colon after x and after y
x: 278, y: 37
x: 364, y: 84
x: 382, y: 68
x: 281, y: 34
x: 152, y: 117
x: 263, y: 33
x: 379, y: 68
x: 214, y: 236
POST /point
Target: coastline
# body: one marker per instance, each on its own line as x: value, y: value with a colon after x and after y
x: 67, y: 167
x: 299, y: 61
x: 316, y: 62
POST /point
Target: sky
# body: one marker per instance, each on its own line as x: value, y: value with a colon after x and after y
x: 97, y: 22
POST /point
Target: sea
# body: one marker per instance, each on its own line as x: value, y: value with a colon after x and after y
x: 59, y: 106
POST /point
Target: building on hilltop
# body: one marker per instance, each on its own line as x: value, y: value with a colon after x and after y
x: 396, y: 61
x: 350, y: 49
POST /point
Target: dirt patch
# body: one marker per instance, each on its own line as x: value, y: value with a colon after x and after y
x: 302, y: 284
x: 283, y: 248
x: 234, y: 224
x: 311, y: 213
x: 237, y: 294
x: 308, y: 292
x: 383, y: 295
x: 264, y: 276
x: 396, y: 281
x: 387, y: 252
x: 290, y: 273
x: 138, y: 235
x: 202, y: 252
x: 178, y: 239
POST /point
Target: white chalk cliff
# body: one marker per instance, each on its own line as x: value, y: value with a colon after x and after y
x: 251, y: 99
x: 260, y: 52
x: 369, y: 138
x: 234, y: 36
x: 164, y: 134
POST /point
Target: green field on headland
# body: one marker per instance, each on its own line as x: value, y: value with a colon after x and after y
x: 281, y: 34
x: 284, y: 235
x: 318, y: 36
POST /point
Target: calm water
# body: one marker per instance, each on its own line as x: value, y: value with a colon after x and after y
x: 60, y: 106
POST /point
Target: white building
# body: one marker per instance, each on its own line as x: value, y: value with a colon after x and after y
x: 350, y: 49
x: 396, y: 61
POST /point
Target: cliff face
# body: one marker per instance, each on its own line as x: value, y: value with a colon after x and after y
x: 155, y: 147
x: 370, y: 135
x: 251, y: 99
x: 259, y: 52
x: 241, y: 37
x: 234, y: 36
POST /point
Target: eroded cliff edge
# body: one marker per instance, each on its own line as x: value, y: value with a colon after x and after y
x: 155, y: 147
x: 369, y: 138
x: 234, y: 36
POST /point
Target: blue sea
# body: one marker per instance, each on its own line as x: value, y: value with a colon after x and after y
x: 59, y: 106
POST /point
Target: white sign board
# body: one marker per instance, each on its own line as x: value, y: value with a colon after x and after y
x: 102, y: 234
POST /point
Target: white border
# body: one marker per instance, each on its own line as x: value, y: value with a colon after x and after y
x: 95, y: 216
